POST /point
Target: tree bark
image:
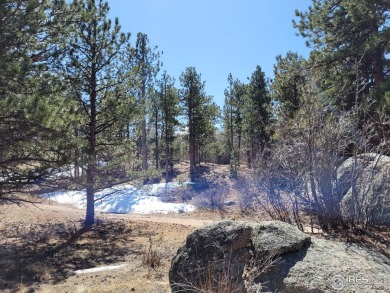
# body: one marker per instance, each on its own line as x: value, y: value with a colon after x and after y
x: 91, y: 165
x: 143, y: 126
x: 166, y: 138
x: 166, y: 157
x: 191, y: 137
x: 157, y: 154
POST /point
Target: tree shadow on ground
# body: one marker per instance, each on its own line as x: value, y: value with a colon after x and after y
x: 52, y: 252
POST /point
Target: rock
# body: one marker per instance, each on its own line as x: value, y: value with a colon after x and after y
x: 227, y: 248
x: 274, y: 243
x: 273, y: 257
x: 328, y: 266
x: 371, y: 204
x: 214, y: 249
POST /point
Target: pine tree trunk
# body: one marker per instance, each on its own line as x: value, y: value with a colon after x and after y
x: 191, y: 140
x: 239, y: 147
x: 143, y: 126
x: 197, y: 156
x: 90, y: 215
x: 91, y: 167
x: 157, y: 155
x: 192, y: 158
x: 166, y: 158
x: 91, y: 172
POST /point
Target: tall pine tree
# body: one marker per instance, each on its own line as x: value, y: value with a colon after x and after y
x: 257, y: 115
x: 94, y: 72
x: 169, y: 103
x: 30, y: 100
x: 351, y: 42
x: 146, y: 67
x: 200, y: 112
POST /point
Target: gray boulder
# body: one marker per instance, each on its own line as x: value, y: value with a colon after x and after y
x: 273, y: 257
x: 364, y: 183
x: 230, y: 251
x: 217, y: 250
x: 328, y: 266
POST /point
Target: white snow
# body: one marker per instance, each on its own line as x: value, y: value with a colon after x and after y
x: 125, y: 199
x: 100, y: 269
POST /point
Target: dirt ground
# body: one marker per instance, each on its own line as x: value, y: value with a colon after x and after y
x: 44, y: 247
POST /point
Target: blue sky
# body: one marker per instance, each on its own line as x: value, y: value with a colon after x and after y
x: 215, y: 36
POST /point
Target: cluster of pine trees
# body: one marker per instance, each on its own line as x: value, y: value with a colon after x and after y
x: 347, y: 74
x: 316, y: 112
x: 75, y: 91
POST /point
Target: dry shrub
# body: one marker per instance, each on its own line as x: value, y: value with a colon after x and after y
x: 213, y: 198
x: 152, y: 257
x: 222, y: 276
x: 214, y: 279
x: 247, y: 191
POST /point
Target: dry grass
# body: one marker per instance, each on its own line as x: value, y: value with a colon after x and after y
x: 40, y: 253
x: 154, y: 253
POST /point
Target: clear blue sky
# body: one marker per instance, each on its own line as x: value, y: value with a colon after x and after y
x: 215, y: 36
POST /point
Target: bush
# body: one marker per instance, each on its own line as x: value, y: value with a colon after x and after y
x: 213, y: 198
x: 151, y: 256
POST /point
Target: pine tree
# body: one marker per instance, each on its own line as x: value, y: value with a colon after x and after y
x: 228, y: 113
x: 233, y: 115
x: 200, y: 112
x: 169, y: 103
x: 233, y: 118
x: 155, y: 119
x: 94, y: 72
x: 206, y: 118
x: 191, y: 96
x: 30, y: 95
x: 257, y: 115
x: 350, y: 41
x: 287, y: 85
x: 147, y: 65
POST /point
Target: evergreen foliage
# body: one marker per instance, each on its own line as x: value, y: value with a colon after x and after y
x: 94, y: 74
x: 168, y: 99
x: 200, y: 112
x: 350, y: 41
x: 247, y: 117
x: 146, y: 67
x: 30, y: 95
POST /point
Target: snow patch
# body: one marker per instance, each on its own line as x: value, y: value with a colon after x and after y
x: 100, y: 269
x: 126, y: 199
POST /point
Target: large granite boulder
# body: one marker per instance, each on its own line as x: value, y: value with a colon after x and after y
x: 212, y: 250
x: 364, y: 183
x: 273, y: 257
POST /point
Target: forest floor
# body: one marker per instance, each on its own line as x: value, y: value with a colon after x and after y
x: 44, y: 247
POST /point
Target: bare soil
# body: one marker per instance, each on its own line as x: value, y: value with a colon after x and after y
x: 42, y: 246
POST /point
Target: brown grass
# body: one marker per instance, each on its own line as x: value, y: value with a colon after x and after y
x: 40, y: 253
